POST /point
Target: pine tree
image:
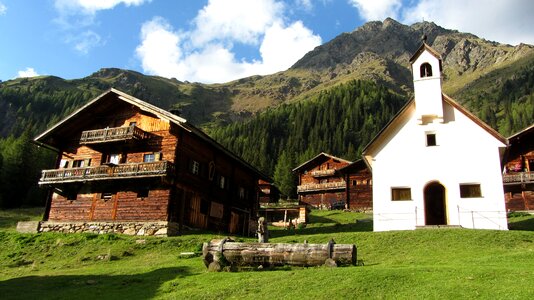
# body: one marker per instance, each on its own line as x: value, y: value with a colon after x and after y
x: 284, y: 178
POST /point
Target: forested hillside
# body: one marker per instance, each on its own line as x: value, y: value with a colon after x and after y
x: 334, y: 99
x: 340, y: 121
x: 505, y: 104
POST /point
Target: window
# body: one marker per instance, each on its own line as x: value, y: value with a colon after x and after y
x: 401, y: 193
x: 149, y: 157
x: 142, y: 193
x: 71, y: 196
x: 241, y: 193
x: 211, y: 172
x: 114, y: 159
x: 64, y: 163
x: 195, y: 167
x: 132, y: 124
x: 77, y: 163
x: 425, y: 70
x: 471, y: 190
x: 431, y: 139
x: 222, y: 182
x: 354, y: 182
x: 204, y: 206
x: 106, y: 196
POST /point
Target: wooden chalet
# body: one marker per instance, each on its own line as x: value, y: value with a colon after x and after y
x: 269, y: 193
x: 359, y: 191
x: 329, y: 182
x: 127, y: 166
x: 518, y: 177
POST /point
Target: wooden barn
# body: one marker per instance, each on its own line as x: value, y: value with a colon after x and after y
x: 330, y: 182
x: 518, y: 177
x: 127, y: 166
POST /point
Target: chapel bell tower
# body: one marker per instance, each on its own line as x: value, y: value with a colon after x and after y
x: 426, y: 72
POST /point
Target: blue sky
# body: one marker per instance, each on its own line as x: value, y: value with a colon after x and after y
x: 216, y: 40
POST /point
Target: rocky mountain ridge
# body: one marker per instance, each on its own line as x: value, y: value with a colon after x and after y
x: 377, y: 51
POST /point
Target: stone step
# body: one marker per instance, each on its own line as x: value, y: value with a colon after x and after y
x: 438, y: 227
x: 28, y: 226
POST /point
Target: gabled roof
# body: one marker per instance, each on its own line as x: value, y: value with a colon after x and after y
x: 318, y: 157
x: 475, y: 119
x: 422, y: 48
x: 449, y: 101
x: 357, y: 165
x: 521, y: 133
x: 106, y: 100
x: 388, y: 125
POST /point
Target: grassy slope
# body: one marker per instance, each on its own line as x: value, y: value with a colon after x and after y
x: 404, y: 264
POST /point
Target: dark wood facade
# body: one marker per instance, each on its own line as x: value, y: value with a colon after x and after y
x: 269, y: 193
x: 330, y: 182
x: 359, y: 186
x: 518, y: 177
x: 122, y: 159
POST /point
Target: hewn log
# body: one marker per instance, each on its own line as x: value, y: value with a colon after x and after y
x: 227, y: 252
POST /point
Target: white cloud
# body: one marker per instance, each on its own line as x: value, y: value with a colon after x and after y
x: 503, y: 21
x: 92, y: 6
x: 85, y: 41
x: 239, y: 20
x: 75, y: 17
x: 283, y: 46
x: 307, y: 5
x: 372, y: 10
x: 206, y: 54
x: 29, y: 72
x: 160, y: 48
x: 3, y: 9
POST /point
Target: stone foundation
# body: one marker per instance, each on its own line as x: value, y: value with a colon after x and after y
x: 129, y: 228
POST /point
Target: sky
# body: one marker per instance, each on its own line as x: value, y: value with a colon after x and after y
x: 216, y: 41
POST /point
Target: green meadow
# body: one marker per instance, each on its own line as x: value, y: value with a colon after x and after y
x: 421, y: 264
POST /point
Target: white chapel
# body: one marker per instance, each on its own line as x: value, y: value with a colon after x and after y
x: 435, y: 163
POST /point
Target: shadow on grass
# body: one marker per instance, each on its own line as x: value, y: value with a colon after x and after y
x: 10, y: 217
x: 324, y: 229
x: 527, y: 224
x: 136, y: 286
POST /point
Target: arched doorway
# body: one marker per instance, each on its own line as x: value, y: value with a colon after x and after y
x: 435, y: 207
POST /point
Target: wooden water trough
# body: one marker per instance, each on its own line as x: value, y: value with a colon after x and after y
x: 220, y: 253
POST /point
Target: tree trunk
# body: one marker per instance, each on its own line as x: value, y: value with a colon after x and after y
x: 227, y: 252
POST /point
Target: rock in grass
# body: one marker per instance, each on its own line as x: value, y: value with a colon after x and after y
x: 330, y: 263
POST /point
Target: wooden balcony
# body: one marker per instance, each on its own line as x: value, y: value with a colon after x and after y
x: 106, y: 172
x: 321, y: 186
x: 112, y: 135
x: 518, y: 178
x: 323, y: 173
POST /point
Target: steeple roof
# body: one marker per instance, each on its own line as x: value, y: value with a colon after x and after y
x: 424, y: 46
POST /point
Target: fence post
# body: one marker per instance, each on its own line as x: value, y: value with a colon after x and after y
x: 459, y: 218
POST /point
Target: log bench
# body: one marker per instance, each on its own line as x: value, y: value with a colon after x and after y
x: 219, y: 253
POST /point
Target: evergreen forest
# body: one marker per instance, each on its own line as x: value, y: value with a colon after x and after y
x: 339, y: 121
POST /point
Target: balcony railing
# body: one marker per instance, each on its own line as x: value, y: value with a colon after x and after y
x: 112, y: 135
x: 321, y: 173
x: 520, y: 177
x: 322, y: 186
x: 103, y: 172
